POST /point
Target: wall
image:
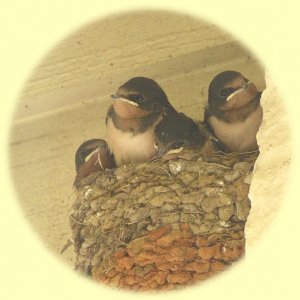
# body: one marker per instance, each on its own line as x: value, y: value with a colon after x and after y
x: 65, y: 100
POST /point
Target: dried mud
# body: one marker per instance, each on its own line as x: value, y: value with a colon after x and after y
x: 164, y: 224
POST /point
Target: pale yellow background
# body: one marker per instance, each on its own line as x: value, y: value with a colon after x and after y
x: 31, y: 29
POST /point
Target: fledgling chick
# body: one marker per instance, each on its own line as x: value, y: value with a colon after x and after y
x: 234, y: 113
x: 139, y: 105
x: 100, y: 160
x: 177, y: 132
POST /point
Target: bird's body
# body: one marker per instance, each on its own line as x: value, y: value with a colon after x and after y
x: 234, y: 113
x: 139, y: 105
x: 131, y: 140
x: 177, y: 132
x: 238, y: 135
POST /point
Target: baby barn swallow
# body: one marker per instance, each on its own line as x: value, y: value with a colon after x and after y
x: 234, y: 113
x: 139, y: 105
x: 177, y: 132
x: 100, y: 160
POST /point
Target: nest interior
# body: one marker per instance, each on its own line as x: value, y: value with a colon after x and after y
x: 164, y: 224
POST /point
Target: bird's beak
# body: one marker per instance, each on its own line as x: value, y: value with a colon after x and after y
x: 245, y: 85
x: 119, y: 97
x: 114, y: 96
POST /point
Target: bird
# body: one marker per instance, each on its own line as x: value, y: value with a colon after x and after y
x: 177, y: 132
x: 233, y: 111
x: 138, y: 106
x: 100, y: 160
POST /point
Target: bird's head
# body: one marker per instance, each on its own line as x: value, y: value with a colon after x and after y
x: 230, y: 90
x: 138, y: 97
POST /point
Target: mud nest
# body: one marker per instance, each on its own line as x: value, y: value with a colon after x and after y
x: 162, y: 225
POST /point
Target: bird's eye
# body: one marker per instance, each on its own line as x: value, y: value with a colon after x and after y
x: 139, y: 98
x: 226, y: 92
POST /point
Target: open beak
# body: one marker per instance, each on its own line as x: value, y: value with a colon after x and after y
x: 245, y: 85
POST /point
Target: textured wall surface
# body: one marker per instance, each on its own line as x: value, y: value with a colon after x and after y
x: 272, y: 166
x: 65, y: 100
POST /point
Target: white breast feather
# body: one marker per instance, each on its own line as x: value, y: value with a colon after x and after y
x: 127, y: 147
x: 238, y: 136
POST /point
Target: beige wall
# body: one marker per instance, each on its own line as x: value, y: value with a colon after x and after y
x: 272, y: 169
x: 65, y: 100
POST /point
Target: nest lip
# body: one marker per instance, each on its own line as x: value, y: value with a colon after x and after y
x: 182, y: 155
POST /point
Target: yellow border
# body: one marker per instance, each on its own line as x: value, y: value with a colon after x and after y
x: 29, y: 29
